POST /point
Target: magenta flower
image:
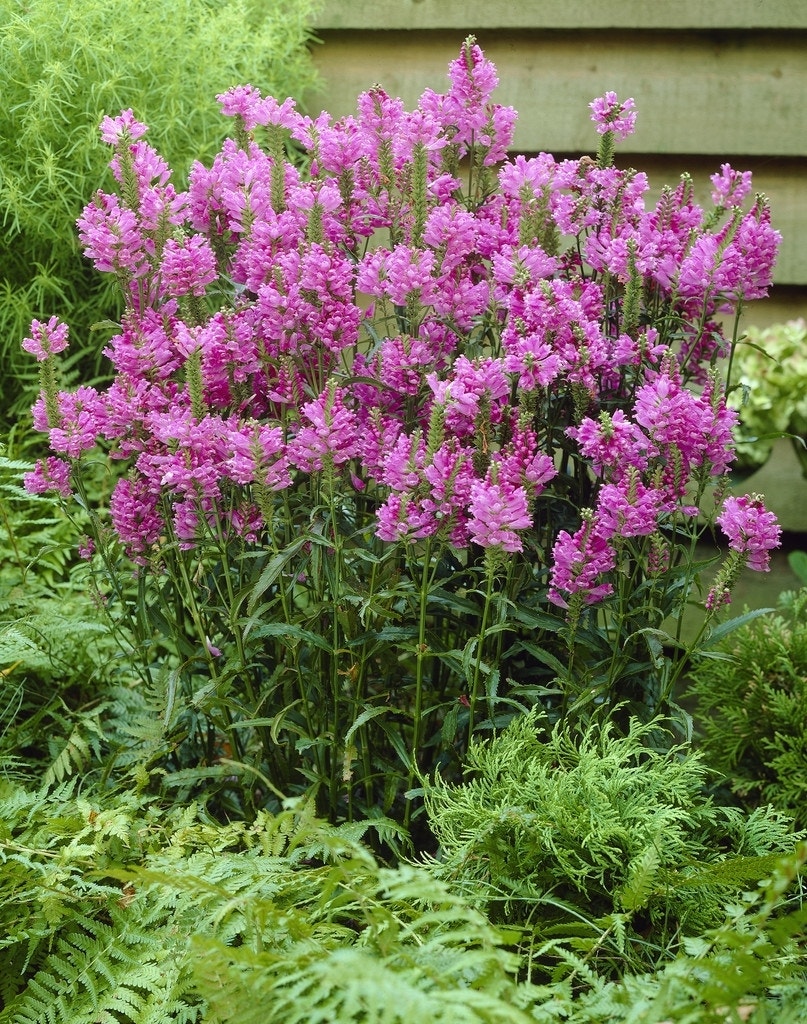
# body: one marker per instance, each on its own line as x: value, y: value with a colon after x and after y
x: 755, y: 246
x: 475, y: 388
x: 245, y: 101
x: 482, y: 358
x: 123, y: 127
x: 399, y: 274
x: 496, y: 513
x: 378, y: 122
x: 578, y: 563
x: 81, y: 416
x: 521, y: 463
x: 111, y: 237
x: 240, y: 101
x: 751, y: 529
x: 134, y: 514
x: 148, y: 166
x: 400, y: 519
x: 86, y: 548
x: 330, y: 435
x: 187, y: 266
x: 730, y: 187
x: 402, y: 463
x: 609, y: 115
x: 145, y: 350
x: 257, y: 455
x: 49, y: 474
x: 613, y: 443
x: 449, y: 477
x: 46, y: 339
x: 629, y: 509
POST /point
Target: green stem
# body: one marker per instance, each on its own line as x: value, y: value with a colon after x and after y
x: 188, y: 592
x: 490, y: 573
x: 335, y: 597
x: 422, y: 648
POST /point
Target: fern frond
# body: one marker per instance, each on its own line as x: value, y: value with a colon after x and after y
x: 640, y: 883
x: 74, y: 757
x: 348, y: 985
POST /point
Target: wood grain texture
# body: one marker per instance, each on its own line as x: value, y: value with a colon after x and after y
x: 713, y: 81
x: 552, y: 14
x: 694, y: 94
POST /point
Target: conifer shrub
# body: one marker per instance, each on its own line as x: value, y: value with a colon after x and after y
x: 752, y: 709
x: 596, y: 845
x: 64, y: 64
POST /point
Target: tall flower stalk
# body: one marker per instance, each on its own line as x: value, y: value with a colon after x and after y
x: 425, y: 415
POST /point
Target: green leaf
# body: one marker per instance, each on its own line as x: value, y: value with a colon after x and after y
x: 367, y: 716
x: 277, y: 563
x: 797, y: 560
x: 725, y: 628
x: 638, y: 888
x: 294, y: 632
x: 540, y: 654
x: 450, y: 724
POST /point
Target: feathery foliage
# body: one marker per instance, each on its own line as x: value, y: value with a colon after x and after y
x: 112, y: 913
x: 64, y: 64
x: 596, y: 844
x: 113, y: 909
x: 752, y: 704
x: 56, y: 649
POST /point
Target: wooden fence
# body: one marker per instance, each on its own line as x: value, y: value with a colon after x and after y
x: 713, y: 81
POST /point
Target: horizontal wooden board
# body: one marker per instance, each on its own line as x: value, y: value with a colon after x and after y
x: 700, y: 102
x: 694, y: 93
x: 472, y: 15
x: 783, y: 303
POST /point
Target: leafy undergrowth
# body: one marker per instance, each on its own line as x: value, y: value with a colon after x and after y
x: 116, y: 907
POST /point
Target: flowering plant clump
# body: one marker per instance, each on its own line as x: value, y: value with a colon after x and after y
x: 411, y: 441
x: 770, y: 370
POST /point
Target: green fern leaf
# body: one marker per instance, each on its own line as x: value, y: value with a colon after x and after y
x: 639, y: 885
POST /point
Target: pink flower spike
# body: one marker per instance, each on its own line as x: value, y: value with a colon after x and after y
x: 188, y: 266
x: 239, y: 101
x: 46, y: 339
x: 245, y: 101
x: 609, y: 115
x: 497, y: 511
x: 86, y: 548
x: 730, y: 187
x: 49, y: 474
x: 751, y: 529
x: 124, y: 127
x: 579, y: 562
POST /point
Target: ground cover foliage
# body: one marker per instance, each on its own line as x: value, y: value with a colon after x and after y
x: 358, y: 701
x: 752, y: 706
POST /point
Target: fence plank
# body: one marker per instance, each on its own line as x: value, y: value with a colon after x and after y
x: 708, y: 90
x: 473, y: 15
x: 694, y: 95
